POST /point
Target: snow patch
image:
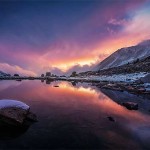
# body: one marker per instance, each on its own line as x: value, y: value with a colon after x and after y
x: 119, y: 77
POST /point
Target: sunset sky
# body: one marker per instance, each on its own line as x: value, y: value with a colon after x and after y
x: 65, y: 35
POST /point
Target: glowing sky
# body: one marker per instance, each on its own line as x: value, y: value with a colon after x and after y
x: 37, y: 36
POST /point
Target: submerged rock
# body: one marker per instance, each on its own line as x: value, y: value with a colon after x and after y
x: 111, y: 119
x: 56, y: 86
x: 130, y: 105
x: 14, y: 112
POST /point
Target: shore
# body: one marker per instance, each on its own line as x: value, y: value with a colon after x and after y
x: 129, y: 85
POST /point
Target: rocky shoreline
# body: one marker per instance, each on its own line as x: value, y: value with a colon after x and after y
x: 138, y: 86
x: 133, y: 88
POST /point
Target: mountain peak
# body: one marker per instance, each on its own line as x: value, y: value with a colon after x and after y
x: 126, y: 55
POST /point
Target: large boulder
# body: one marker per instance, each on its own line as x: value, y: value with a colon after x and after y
x: 15, y: 112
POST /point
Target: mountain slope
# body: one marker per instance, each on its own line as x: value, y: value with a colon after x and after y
x: 125, y: 55
x: 137, y: 66
x: 2, y: 74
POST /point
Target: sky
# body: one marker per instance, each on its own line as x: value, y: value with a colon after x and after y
x: 66, y: 35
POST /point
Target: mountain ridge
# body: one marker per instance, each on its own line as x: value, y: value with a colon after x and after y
x: 125, y: 55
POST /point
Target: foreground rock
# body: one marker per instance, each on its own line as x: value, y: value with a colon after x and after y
x: 14, y: 112
x: 130, y: 105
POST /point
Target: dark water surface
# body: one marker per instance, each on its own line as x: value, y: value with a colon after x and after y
x: 76, y: 117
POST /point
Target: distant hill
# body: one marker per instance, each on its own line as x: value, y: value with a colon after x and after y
x: 125, y: 55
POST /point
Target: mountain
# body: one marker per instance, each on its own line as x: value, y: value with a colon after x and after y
x: 138, y: 66
x: 2, y: 74
x: 125, y: 56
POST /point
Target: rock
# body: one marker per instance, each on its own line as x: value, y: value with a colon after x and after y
x: 32, y: 117
x: 56, y: 86
x: 146, y: 79
x: 139, y: 81
x: 130, y: 89
x: 16, y: 75
x: 14, y: 112
x: 74, y: 83
x: 111, y: 119
x: 13, y: 115
x: 113, y: 87
x: 130, y: 105
x: 141, y: 90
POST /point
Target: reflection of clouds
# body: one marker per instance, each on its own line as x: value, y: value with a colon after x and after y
x: 6, y: 84
x: 70, y: 87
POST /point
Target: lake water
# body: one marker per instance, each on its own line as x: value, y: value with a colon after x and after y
x: 77, y: 117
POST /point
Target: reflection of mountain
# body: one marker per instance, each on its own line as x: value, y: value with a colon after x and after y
x: 126, y: 55
x: 119, y: 97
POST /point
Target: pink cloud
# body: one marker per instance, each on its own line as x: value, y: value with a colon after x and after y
x: 15, y: 69
x: 121, y: 22
x: 68, y: 50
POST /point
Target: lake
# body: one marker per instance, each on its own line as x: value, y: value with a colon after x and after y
x: 77, y: 117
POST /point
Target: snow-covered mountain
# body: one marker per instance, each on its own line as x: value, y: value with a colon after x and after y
x: 2, y: 74
x: 125, y: 55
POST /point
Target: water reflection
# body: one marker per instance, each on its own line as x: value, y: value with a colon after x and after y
x: 77, y: 117
x: 119, y: 97
x: 8, y: 132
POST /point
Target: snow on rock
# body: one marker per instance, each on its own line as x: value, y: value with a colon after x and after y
x: 119, y: 77
x: 13, y: 112
x: 5, y: 103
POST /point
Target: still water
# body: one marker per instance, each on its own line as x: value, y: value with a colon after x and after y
x: 77, y: 117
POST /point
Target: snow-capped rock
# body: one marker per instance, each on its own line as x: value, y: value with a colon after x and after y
x: 126, y: 55
x: 5, y: 103
x: 15, y: 112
